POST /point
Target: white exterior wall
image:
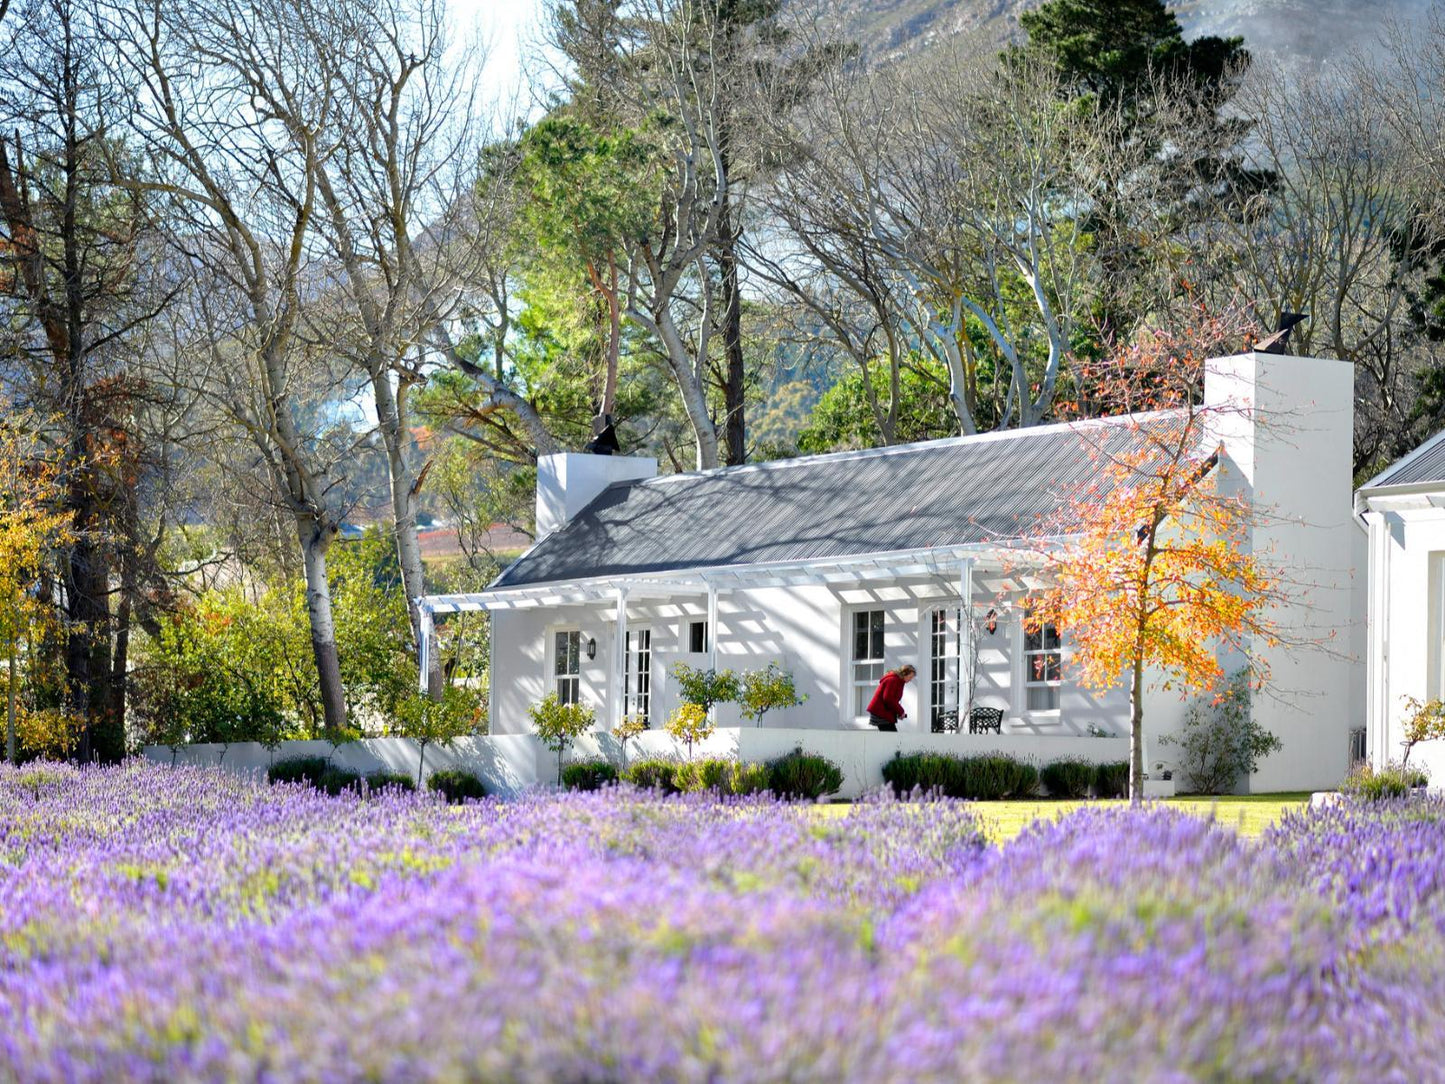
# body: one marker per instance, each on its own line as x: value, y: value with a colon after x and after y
x: 1407, y: 569
x: 1288, y: 448
x: 509, y: 764
x: 807, y: 631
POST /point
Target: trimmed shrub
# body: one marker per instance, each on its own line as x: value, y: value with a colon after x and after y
x: 308, y: 770
x: 456, y: 785
x: 588, y: 775
x: 334, y: 780
x: 1111, y: 780
x: 1391, y: 781
x: 652, y: 774
x: 720, y: 776
x: 804, y: 775
x: 398, y: 780
x: 987, y: 777
x: 1067, y: 778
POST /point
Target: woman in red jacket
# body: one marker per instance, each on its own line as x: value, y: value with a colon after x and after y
x: 886, y: 707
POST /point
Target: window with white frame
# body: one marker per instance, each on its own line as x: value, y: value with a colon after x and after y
x: 1043, y: 666
x: 638, y: 699
x: 567, y: 665
x: 697, y: 637
x: 945, y: 640
x: 867, y: 657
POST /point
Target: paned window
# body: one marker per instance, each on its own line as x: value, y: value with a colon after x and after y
x: 867, y: 657
x: 945, y: 649
x: 639, y: 674
x: 1043, y: 660
x: 567, y: 665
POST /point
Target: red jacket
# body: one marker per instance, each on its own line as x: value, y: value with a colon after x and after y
x: 887, y: 702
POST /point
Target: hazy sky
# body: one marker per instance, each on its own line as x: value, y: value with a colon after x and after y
x: 510, y: 29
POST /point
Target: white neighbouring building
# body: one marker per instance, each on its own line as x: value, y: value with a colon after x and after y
x: 1403, y: 513
x: 839, y: 566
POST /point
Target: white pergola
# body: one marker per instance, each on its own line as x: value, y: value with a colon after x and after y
x: 943, y: 562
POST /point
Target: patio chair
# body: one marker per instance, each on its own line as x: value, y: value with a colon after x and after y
x: 945, y: 721
x: 985, y: 721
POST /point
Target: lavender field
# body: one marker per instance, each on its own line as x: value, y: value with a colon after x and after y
x: 161, y: 925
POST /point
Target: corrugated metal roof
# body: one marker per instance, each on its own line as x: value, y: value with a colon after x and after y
x: 1425, y: 464
x: 937, y: 493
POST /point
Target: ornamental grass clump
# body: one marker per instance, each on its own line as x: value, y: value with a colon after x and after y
x: 720, y: 776
x: 588, y: 775
x: 1394, y: 780
x: 191, y: 925
x: 653, y: 773
x: 1111, y: 780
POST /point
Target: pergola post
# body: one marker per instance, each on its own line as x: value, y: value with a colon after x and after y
x: 965, y: 642
x: 424, y: 648
x: 711, y: 625
x: 619, y: 694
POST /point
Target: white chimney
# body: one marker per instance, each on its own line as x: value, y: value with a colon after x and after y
x: 568, y: 482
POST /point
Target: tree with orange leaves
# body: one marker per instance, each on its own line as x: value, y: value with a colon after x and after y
x: 1153, y: 573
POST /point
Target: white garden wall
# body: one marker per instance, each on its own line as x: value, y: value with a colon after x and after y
x: 510, y: 763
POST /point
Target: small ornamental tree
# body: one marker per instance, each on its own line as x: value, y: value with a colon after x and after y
x: 706, y: 688
x: 628, y: 729
x: 1154, y: 570
x: 1425, y: 722
x: 438, y: 722
x: 559, y: 724
x: 690, y: 724
x: 767, y: 690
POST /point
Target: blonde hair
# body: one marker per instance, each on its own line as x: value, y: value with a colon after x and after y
x: 906, y: 670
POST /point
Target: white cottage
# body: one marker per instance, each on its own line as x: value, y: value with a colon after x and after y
x: 839, y: 566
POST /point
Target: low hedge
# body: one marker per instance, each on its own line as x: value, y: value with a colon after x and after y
x: 804, y: 775
x: 1069, y: 777
x: 396, y: 780
x: 588, y: 775
x: 334, y: 780
x: 987, y: 776
x: 308, y: 770
x: 1111, y: 780
x: 456, y: 785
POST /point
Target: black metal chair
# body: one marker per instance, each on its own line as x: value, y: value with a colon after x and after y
x: 945, y: 721
x: 985, y: 721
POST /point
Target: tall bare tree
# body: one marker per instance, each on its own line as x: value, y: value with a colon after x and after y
x: 235, y: 103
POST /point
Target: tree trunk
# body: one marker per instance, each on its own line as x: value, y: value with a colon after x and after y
x: 694, y: 398
x: 735, y: 386
x: 315, y: 541
x: 10, y: 712
x: 1136, y: 732
x: 120, y: 659
x: 87, y: 649
x: 405, y: 486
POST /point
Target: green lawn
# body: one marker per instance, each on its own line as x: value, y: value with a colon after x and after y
x: 1248, y: 814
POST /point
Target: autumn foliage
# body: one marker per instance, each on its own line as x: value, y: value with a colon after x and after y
x: 1156, y: 574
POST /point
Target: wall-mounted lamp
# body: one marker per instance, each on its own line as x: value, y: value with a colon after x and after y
x: 991, y: 622
x: 591, y: 648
